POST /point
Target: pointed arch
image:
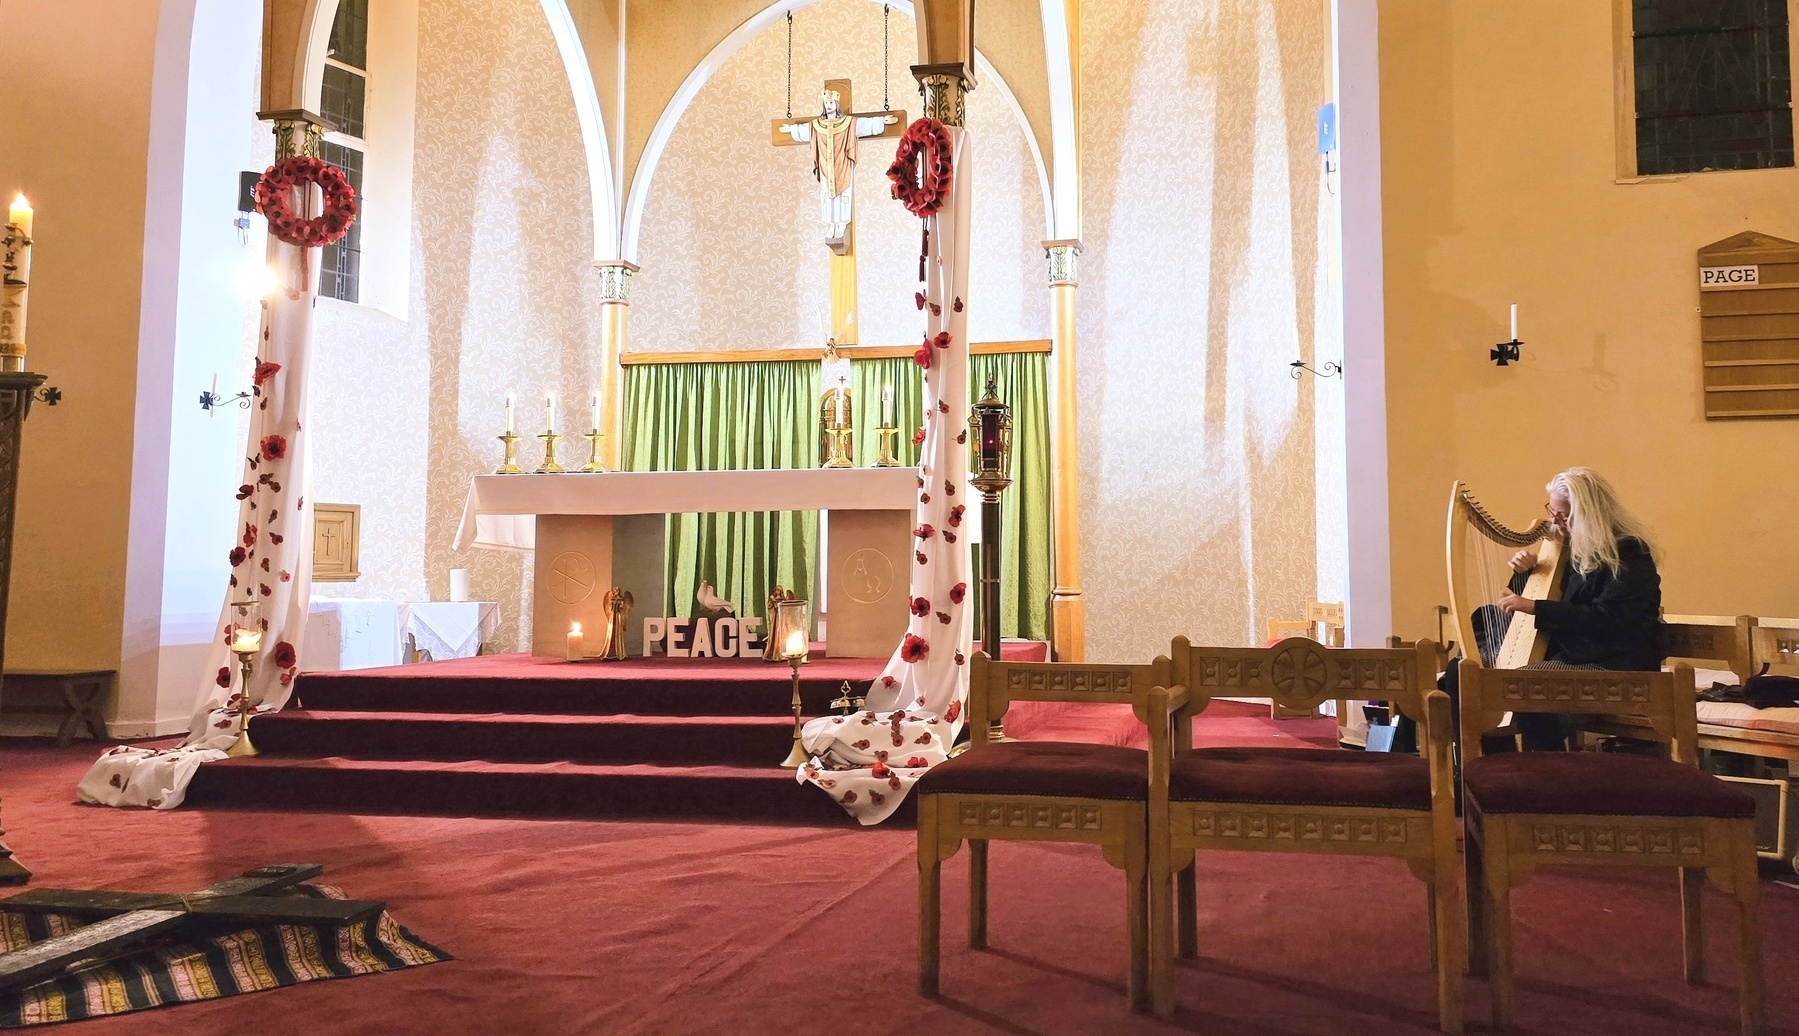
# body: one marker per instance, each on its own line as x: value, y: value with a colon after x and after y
x: 604, y: 193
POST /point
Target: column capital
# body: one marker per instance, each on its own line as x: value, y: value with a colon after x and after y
x: 1062, y: 259
x: 945, y: 88
x: 297, y: 132
x: 615, y: 280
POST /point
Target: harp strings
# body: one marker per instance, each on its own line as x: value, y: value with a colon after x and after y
x: 1490, y: 562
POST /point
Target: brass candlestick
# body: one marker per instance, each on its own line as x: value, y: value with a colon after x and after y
x: 840, y: 449
x: 796, y: 756
x: 242, y: 746
x: 593, y: 451
x: 510, y: 466
x: 888, y: 435
x: 550, y: 439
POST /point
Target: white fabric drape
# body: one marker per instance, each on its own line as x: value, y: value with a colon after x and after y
x: 271, y: 555
x: 870, y: 760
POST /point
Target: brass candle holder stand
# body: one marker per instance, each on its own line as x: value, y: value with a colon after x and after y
x: 889, y: 435
x: 242, y: 746
x: 510, y: 465
x: 841, y: 449
x: 593, y: 451
x: 550, y: 439
x: 848, y: 701
x: 796, y: 756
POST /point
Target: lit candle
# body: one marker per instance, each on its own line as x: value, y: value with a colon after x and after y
x: 246, y: 640
x: 839, y: 406
x: 549, y: 406
x: 16, y: 277
x: 796, y: 644
x: 596, y: 411
x: 887, y: 405
x: 577, y: 643
x: 1514, y: 321
x: 508, y: 413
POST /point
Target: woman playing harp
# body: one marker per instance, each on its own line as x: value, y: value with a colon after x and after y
x: 1610, y: 593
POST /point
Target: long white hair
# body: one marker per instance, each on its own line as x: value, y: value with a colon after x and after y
x: 1596, y: 520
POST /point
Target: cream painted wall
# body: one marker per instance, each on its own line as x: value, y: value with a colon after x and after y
x: 74, y: 129
x: 1498, y: 164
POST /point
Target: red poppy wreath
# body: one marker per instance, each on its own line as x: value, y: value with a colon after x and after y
x: 274, y: 199
x: 924, y: 148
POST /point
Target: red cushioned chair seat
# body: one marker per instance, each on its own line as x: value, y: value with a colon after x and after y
x: 1301, y: 777
x: 1599, y: 784
x: 1044, y: 768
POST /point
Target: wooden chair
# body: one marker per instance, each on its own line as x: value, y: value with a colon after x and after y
x: 1528, y: 808
x: 1306, y: 800
x: 1774, y: 643
x: 1043, y: 791
x: 1709, y: 641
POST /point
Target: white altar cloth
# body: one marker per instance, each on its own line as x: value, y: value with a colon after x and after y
x: 355, y: 633
x: 501, y: 510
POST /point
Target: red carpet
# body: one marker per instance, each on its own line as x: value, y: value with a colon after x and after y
x: 512, y: 735
x: 623, y: 928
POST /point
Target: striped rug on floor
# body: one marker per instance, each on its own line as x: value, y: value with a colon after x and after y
x: 181, y: 971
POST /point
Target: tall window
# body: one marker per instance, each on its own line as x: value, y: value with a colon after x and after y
x: 1713, y: 85
x: 342, y: 101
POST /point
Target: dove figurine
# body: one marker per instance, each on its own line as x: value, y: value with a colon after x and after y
x: 709, y: 601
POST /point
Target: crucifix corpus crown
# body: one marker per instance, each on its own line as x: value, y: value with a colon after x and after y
x: 833, y: 134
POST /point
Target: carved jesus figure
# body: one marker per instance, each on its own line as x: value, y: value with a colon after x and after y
x: 833, y: 137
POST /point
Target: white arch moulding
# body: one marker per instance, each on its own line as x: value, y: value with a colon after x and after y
x: 593, y: 129
x: 315, y: 43
x: 690, y: 88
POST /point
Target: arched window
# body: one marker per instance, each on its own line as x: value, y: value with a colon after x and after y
x: 343, y: 101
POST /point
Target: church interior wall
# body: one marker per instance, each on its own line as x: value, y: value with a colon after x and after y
x: 74, y: 133
x: 1501, y: 186
x: 1203, y: 276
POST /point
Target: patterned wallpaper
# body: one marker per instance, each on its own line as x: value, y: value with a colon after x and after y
x: 1201, y: 280
x: 723, y: 192
x: 1198, y: 286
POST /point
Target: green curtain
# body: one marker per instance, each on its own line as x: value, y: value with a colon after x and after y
x: 724, y: 417
x: 867, y: 378
x: 1022, y: 380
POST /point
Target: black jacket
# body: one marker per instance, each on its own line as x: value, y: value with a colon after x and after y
x: 1607, y: 620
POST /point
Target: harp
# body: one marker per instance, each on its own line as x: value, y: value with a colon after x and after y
x: 1480, y: 551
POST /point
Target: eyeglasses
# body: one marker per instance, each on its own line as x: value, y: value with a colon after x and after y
x: 1558, y: 517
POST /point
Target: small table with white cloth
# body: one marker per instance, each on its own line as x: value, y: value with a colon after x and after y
x: 354, y: 633
x: 593, y: 531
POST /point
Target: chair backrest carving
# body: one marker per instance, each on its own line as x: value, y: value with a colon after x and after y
x: 1721, y: 640
x: 994, y: 686
x: 1664, y: 703
x: 1299, y: 673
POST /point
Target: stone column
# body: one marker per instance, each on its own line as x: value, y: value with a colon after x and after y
x: 615, y: 311
x: 1068, y: 610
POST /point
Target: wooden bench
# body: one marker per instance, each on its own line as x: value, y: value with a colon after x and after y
x: 84, y: 694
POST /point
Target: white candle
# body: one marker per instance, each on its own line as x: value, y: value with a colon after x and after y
x: 246, y: 640
x: 577, y: 643
x: 840, y: 406
x: 17, y: 278
x: 549, y: 407
x: 887, y: 405
x: 596, y: 411
x: 1514, y: 321
x: 508, y: 413
x: 796, y: 644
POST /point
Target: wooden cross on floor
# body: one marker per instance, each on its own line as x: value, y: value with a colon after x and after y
x: 122, y: 918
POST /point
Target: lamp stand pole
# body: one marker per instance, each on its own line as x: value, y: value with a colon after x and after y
x: 17, y: 389
x: 990, y: 538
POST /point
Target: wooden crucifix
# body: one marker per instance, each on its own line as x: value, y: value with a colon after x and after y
x: 122, y: 918
x: 833, y: 134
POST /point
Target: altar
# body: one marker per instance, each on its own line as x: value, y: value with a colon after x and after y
x: 594, y: 531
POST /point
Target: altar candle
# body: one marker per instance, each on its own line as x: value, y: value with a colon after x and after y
x: 577, y: 643
x: 596, y: 411
x: 1514, y: 321
x: 508, y: 413
x: 17, y: 277
x: 246, y: 640
x: 887, y: 405
x: 549, y: 406
x: 839, y: 406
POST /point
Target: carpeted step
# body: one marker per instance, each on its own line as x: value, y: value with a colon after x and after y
x: 559, y: 789
x: 516, y: 737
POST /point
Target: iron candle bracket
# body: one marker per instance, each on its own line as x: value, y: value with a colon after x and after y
x: 1326, y: 369
x: 210, y: 400
x: 1506, y: 352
